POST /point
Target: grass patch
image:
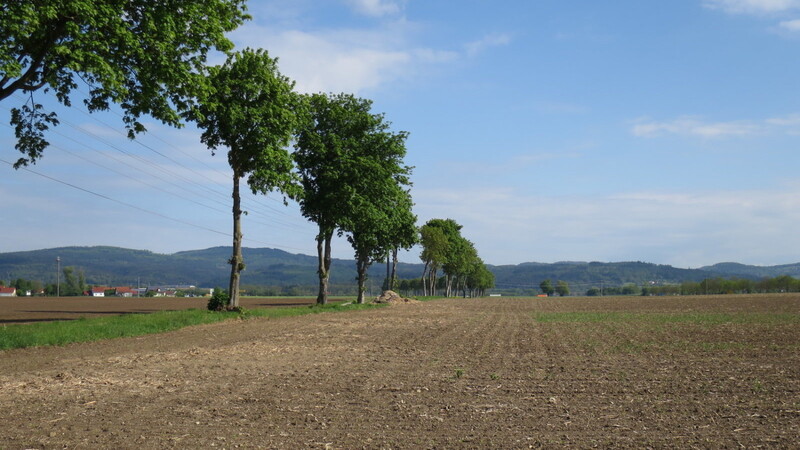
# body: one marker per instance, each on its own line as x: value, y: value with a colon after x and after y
x: 128, y: 325
x: 666, y: 318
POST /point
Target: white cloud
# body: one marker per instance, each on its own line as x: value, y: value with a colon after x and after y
x: 685, y: 230
x: 376, y: 8
x: 753, y: 6
x: 345, y: 60
x: 790, y: 25
x: 490, y: 40
x: 690, y: 126
x: 696, y: 127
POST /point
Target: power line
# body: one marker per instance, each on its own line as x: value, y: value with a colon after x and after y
x: 155, y: 213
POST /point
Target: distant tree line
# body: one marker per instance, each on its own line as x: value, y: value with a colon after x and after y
x: 783, y: 283
x: 445, y: 251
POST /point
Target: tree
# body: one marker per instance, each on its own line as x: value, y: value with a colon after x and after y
x: 73, y: 285
x: 352, y: 175
x: 251, y: 110
x: 326, y: 146
x: 434, y: 251
x: 147, y: 56
x: 479, y: 279
x: 547, y: 287
x: 562, y: 288
x: 380, y: 217
x: 377, y: 222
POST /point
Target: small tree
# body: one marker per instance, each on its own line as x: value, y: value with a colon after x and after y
x: 547, y: 287
x: 562, y: 288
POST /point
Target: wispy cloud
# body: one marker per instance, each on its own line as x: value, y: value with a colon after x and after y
x: 792, y: 26
x: 376, y: 8
x: 690, y: 126
x: 344, y: 60
x: 697, y: 127
x: 686, y: 230
x: 490, y: 40
x: 753, y: 6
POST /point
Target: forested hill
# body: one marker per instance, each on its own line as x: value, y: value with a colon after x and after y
x: 271, y: 267
x: 209, y: 267
x: 730, y: 269
x: 584, y: 275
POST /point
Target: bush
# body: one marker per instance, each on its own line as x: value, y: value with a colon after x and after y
x: 219, y: 300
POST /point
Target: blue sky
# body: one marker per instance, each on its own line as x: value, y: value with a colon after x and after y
x: 651, y: 130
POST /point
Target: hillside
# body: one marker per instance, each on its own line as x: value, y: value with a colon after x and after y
x: 730, y: 269
x: 209, y: 267
x: 272, y: 267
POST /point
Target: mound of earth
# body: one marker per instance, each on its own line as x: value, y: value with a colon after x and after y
x: 393, y: 297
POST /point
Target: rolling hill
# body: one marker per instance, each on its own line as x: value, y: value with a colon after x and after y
x: 272, y: 267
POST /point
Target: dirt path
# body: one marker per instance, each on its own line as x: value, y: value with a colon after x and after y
x: 444, y: 374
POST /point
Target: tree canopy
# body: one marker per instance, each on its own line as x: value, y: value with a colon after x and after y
x: 353, y: 178
x: 443, y: 247
x: 147, y: 56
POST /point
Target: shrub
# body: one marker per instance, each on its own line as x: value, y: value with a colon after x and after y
x: 219, y: 300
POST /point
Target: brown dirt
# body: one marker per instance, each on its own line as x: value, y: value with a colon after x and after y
x: 46, y: 309
x: 462, y: 373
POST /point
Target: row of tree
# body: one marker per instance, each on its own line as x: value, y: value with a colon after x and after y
x: 445, y: 249
x: 149, y: 58
x: 561, y: 288
x: 783, y: 283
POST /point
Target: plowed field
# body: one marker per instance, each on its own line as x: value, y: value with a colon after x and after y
x: 463, y: 373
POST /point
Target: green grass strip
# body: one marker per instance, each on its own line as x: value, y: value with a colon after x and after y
x: 128, y: 325
x: 694, y: 318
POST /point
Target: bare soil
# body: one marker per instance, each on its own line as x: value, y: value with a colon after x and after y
x: 461, y: 373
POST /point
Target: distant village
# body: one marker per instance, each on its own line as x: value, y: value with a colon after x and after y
x: 122, y: 291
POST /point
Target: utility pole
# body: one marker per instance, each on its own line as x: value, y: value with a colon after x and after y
x: 58, y: 276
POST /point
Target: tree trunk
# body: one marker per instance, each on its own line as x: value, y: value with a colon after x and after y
x: 432, y: 281
x: 388, y: 282
x: 393, y: 278
x: 324, y: 267
x: 424, y: 279
x: 361, y: 265
x: 236, y: 261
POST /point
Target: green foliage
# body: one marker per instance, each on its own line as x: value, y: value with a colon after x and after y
x: 562, y: 288
x: 547, y: 287
x: 354, y: 180
x: 219, y: 300
x: 147, y: 56
x: 74, y: 282
x: 252, y: 110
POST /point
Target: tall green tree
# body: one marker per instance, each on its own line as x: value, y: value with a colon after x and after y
x: 479, y: 279
x: 380, y: 218
x: 326, y: 148
x: 252, y: 111
x: 348, y: 162
x: 434, y: 252
x: 147, y: 56
x: 381, y: 222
